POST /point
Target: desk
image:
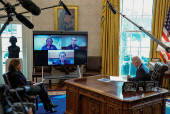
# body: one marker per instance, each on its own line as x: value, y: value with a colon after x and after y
x: 90, y: 96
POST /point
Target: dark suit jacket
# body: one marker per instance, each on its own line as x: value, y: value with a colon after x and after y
x: 66, y: 62
x: 142, y: 74
x: 18, y: 79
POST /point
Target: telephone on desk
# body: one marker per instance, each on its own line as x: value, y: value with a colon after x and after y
x: 140, y: 86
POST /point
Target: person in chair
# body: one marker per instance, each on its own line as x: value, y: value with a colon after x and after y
x: 142, y: 73
x: 18, y: 79
x: 13, y: 49
x: 62, y: 60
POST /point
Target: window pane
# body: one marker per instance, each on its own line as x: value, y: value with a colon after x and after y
x: 127, y: 25
x: 145, y: 40
x: 138, y: 7
x: 7, y: 31
x: 138, y: 21
x: 17, y: 30
x: 135, y: 42
x: 147, y: 10
x: 147, y: 21
x: 125, y: 39
x: 125, y: 58
x: 135, y: 51
x: 6, y: 43
x: 125, y: 68
x: 127, y: 7
x: 4, y: 57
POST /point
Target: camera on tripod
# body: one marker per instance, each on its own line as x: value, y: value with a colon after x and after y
x: 8, y: 103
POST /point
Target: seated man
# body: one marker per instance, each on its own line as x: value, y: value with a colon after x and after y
x: 62, y: 60
x: 142, y: 73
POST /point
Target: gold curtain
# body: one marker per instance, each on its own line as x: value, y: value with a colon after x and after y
x: 160, y: 10
x: 109, y: 48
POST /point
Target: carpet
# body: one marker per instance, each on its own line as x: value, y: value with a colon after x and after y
x: 57, y: 97
x: 167, y: 106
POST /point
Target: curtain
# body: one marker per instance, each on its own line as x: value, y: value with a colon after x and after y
x: 109, y: 48
x: 160, y: 10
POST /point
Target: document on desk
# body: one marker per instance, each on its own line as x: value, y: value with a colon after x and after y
x: 38, y: 83
x: 118, y: 79
x: 104, y: 80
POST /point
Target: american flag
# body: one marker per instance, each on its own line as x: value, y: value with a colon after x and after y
x: 166, y: 37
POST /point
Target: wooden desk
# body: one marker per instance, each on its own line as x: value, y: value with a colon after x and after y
x: 90, y: 96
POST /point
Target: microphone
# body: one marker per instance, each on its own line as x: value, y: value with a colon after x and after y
x: 30, y: 6
x: 65, y: 7
x: 111, y: 7
x: 24, y: 20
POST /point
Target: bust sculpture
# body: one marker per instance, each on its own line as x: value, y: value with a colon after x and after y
x: 13, y: 49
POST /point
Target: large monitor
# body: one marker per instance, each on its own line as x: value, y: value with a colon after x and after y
x: 59, y: 48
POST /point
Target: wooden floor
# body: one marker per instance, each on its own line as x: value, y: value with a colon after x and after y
x: 55, y: 87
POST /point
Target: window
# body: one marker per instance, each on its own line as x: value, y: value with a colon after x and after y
x: 132, y: 40
x: 10, y: 30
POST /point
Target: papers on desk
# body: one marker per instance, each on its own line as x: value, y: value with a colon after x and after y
x: 112, y: 78
x: 119, y: 79
x: 38, y: 83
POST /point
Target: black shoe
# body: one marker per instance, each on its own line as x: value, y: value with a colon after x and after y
x: 50, y: 109
x: 52, y: 105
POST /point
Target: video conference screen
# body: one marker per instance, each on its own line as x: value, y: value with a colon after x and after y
x: 59, y: 48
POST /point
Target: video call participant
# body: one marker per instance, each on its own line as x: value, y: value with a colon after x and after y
x: 73, y: 45
x: 18, y: 79
x: 142, y: 73
x: 62, y: 60
x: 49, y: 45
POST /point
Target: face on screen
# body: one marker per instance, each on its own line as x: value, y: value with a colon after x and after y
x: 62, y: 57
x: 73, y: 41
x: 49, y: 42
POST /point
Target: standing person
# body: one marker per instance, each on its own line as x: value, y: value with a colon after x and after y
x: 142, y: 73
x: 49, y: 45
x: 18, y: 79
x: 73, y: 45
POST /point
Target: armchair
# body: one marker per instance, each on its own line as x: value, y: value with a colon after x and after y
x: 37, y: 71
x: 32, y: 98
x: 158, y: 72
x: 93, y: 66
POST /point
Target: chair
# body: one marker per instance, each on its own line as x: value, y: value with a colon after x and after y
x: 93, y: 66
x: 32, y: 98
x: 37, y: 72
x: 158, y: 72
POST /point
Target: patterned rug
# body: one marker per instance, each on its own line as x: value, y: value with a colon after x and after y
x: 57, y: 97
x: 167, y: 106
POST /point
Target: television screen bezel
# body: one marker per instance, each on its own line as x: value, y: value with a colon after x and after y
x: 60, y: 33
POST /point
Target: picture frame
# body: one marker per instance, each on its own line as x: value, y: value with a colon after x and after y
x: 65, y: 22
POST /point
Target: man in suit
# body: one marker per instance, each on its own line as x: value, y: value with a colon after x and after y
x: 62, y: 60
x: 142, y: 73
